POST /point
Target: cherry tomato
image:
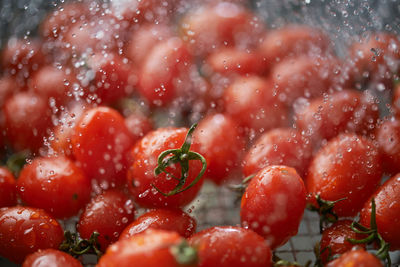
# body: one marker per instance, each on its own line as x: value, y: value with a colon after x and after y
x: 334, y: 240
x: 359, y: 258
x: 148, y: 249
x: 101, y: 143
x: 24, y: 230
x: 349, y: 167
x: 8, y: 189
x: 54, y: 184
x: 50, y: 258
x: 219, y: 139
x: 280, y: 146
x: 138, y: 125
x: 8, y: 87
x: 387, y: 211
x: 163, y: 219
x: 141, y: 174
x: 388, y: 138
x: 231, y: 246
x: 108, y: 214
x: 396, y: 100
x: 273, y: 204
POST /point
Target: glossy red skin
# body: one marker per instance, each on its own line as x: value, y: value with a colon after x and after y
x: 220, y: 24
x: 160, y: 71
x: 220, y: 141
x: 27, y: 118
x: 273, y: 204
x: 54, y: 184
x: 24, y: 230
x: 348, y: 166
x: 334, y: 240
x: 359, y: 258
x: 280, y: 146
x: 396, y: 100
x: 388, y: 137
x: 101, y: 144
x: 51, y: 258
x: 8, y: 189
x: 8, y: 87
x: 108, y: 214
x: 163, y: 219
x: 387, y: 211
x: 141, y: 174
x: 343, y: 111
x: 230, y: 246
x: 252, y: 103
x: 138, y: 125
x: 147, y: 249
x: 292, y: 41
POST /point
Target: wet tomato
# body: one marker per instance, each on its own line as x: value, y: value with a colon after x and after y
x: 24, y: 230
x: 273, y: 204
x: 138, y: 125
x: 8, y: 189
x: 50, y: 258
x: 388, y: 137
x: 359, y: 258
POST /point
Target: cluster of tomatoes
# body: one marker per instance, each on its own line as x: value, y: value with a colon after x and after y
x: 101, y: 103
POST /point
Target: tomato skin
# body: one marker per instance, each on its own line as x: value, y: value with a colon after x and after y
x: 220, y: 141
x: 396, y: 100
x: 273, y: 204
x: 101, y: 143
x: 8, y: 189
x: 108, y: 214
x: 334, y: 239
x: 163, y: 219
x: 280, y: 146
x: 388, y: 137
x: 349, y: 166
x: 360, y: 258
x: 147, y: 249
x: 8, y: 87
x: 138, y: 125
x: 50, y: 258
x: 387, y: 211
x: 24, y: 230
x: 231, y: 246
x: 54, y: 184
x: 141, y: 174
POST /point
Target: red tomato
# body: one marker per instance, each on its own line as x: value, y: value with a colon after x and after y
x: 8, y: 189
x: 147, y: 249
x: 359, y: 258
x: 141, y: 174
x: 50, y: 258
x: 8, y: 87
x: 54, y: 184
x: 108, y: 214
x: 388, y: 138
x: 251, y: 102
x: 349, y: 166
x: 220, y: 141
x: 101, y: 144
x: 273, y: 204
x: 24, y: 230
x: 27, y: 119
x: 396, y: 99
x: 138, y: 125
x: 280, y: 146
x: 334, y: 240
x: 347, y: 110
x: 160, y: 71
x: 163, y: 219
x: 230, y: 246
x: 387, y: 211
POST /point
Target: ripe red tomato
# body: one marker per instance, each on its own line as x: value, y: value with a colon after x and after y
x: 54, y: 184
x: 359, y: 258
x: 50, y: 257
x: 24, y: 230
x: 396, y: 100
x: 138, y: 125
x: 388, y: 138
x: 8, y: 189
x: 387, y: 211
x: 101, y: 144
x: 8, y: 87
x: 148, y: 249
x: 230, y: 246
x: 349, y: 166
x: 163, y: 219
x: 280, y: 146
x: 273, y: 204
x: 219, y: 139
x: 108, y: 214
x: 141, y: 174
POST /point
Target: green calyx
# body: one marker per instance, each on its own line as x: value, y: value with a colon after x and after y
x: 180, y: 156
x: 184, y: 254
x: 76, y: 246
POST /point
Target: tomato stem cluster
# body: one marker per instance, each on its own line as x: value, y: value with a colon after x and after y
x: 182, y: 156
x: 76, y: 246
